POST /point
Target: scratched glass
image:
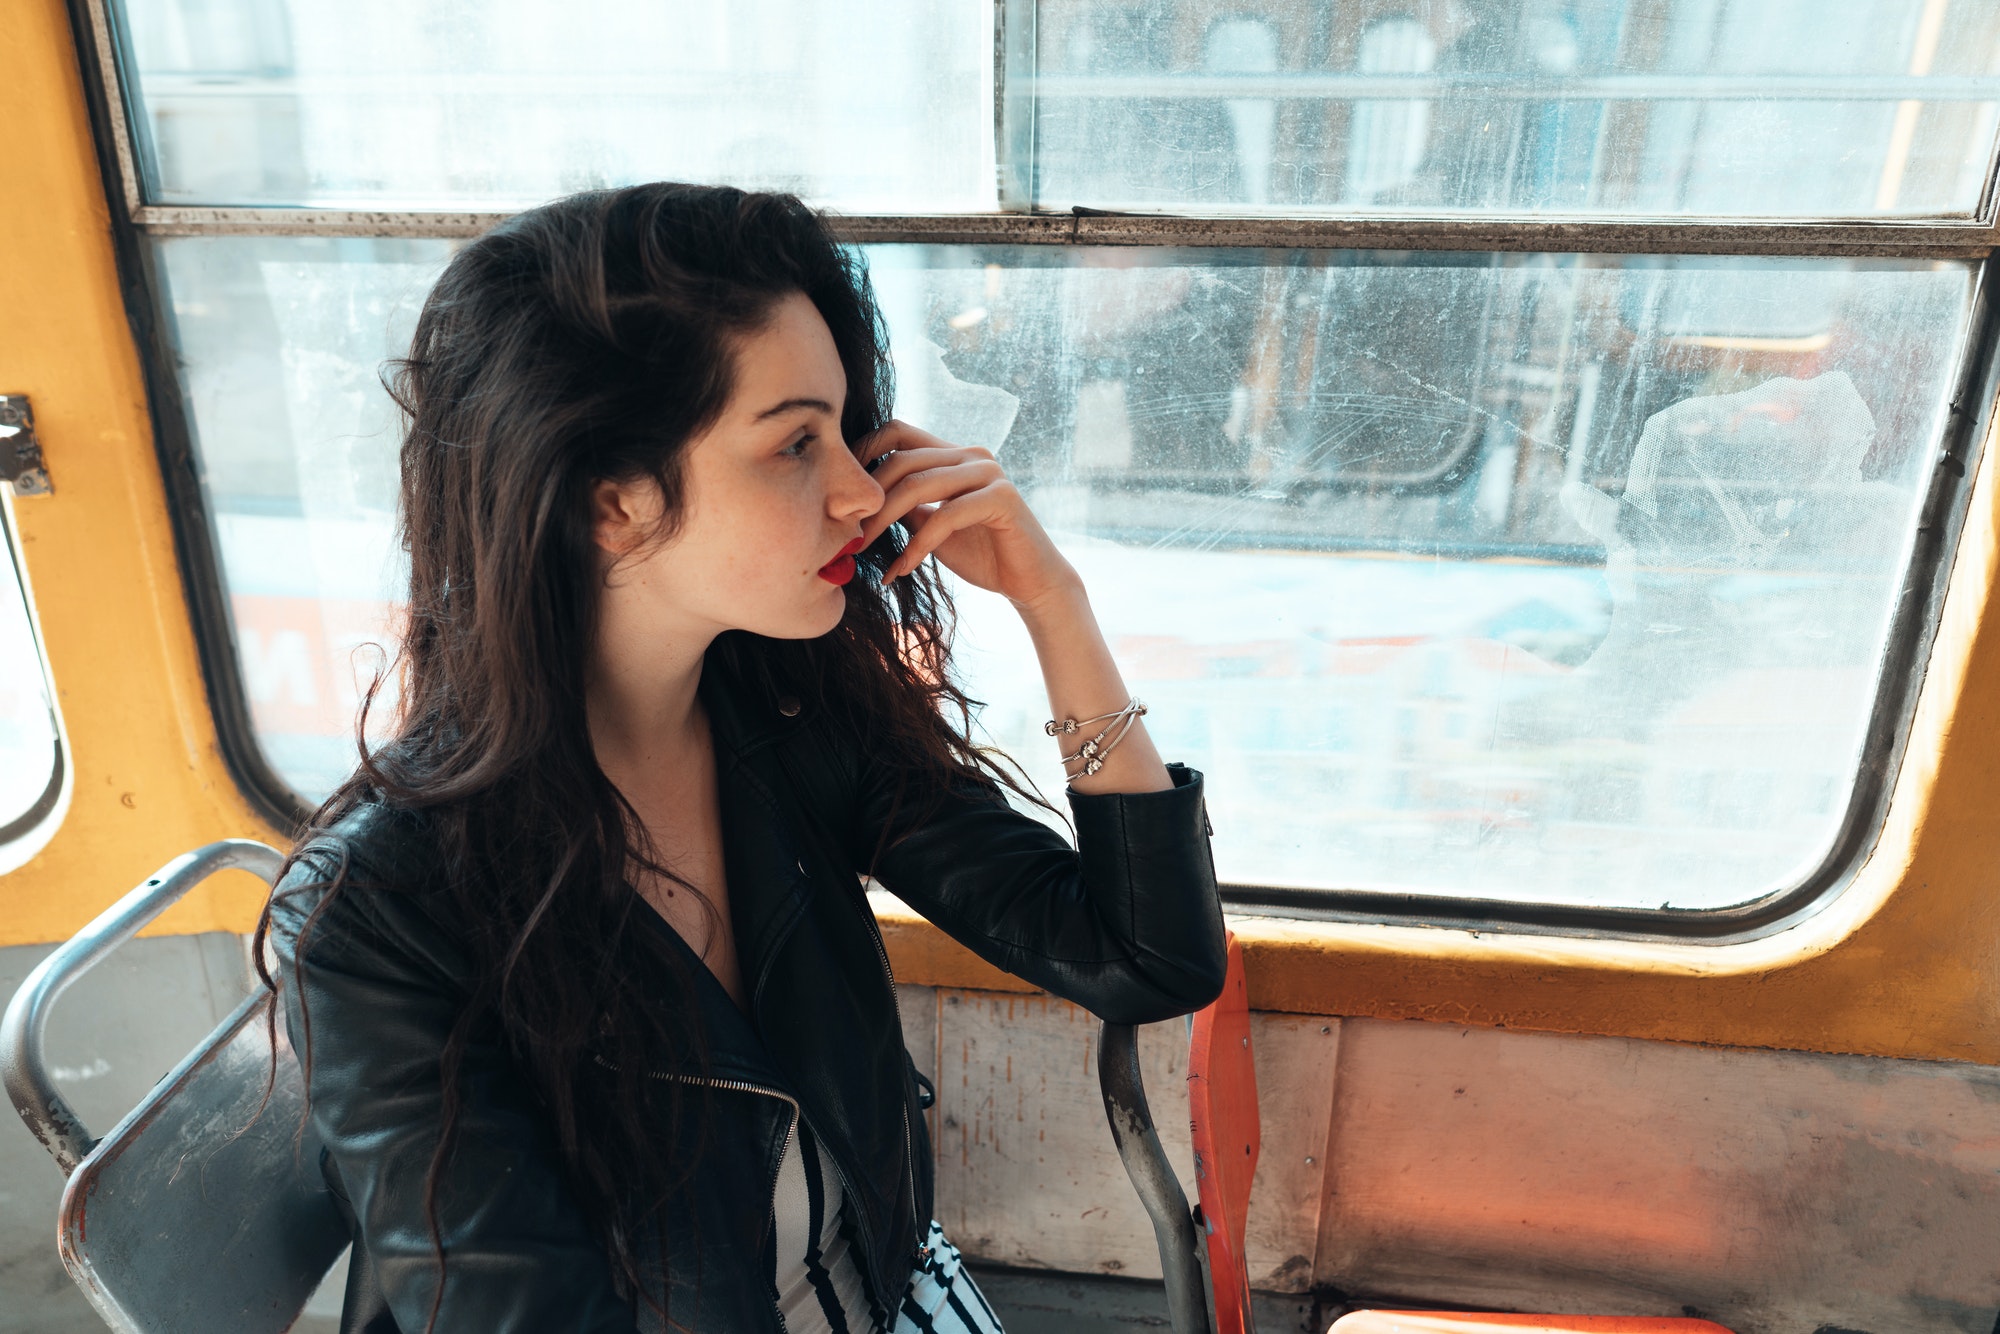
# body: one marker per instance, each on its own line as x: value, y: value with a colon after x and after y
x: 1669, y: 108
x: 496, y: 104
x: 1547, y: 578
x: 30, y: 747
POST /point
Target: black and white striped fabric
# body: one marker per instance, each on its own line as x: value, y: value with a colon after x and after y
x: 942, y: 1297
x: 818, y: 1286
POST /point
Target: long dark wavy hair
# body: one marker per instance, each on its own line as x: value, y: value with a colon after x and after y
x: 591, y: 339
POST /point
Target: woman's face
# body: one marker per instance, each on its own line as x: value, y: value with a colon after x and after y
x: 772, y: 496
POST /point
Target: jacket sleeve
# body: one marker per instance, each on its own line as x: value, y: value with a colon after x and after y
x: 1127, y: 924
x: 369, y: 1000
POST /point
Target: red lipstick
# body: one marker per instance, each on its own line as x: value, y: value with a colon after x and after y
x: 841, y: 568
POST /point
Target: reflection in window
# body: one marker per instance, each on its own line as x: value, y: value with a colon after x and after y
x: 1248, y: 46
x: 31, y: 758
x: 1528, y: 577
x: 1388, y: 140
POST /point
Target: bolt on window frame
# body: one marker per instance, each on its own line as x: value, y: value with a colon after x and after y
x: 118, y: 125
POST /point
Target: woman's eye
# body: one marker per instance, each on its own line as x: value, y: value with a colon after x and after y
x: 798, y: 447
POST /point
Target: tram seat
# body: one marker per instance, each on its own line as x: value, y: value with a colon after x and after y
x: 203, y: 1210
x: 1222, y: 1104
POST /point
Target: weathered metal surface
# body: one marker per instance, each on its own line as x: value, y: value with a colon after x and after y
x: 1131, y: 1120
x: 1770, y: 1191
x: 1773, y: 1192
x: 1028, y: 1175
x: 24, y: 1028
x: 103, y: 66
x: 1089, y: 228
x: 203, y: 1211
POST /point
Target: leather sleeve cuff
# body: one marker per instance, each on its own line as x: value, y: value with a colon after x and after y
x: 1147, y: 864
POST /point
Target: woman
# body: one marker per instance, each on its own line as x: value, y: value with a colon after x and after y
x: 597, y: 1027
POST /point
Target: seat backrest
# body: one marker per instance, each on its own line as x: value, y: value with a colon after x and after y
x: 203, y: 1211
x: 1222, y: 1109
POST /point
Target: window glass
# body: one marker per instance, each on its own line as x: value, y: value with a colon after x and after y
x: 494, y: 104
x: 31, y: 767
x: 1558, y: 578
x: 1669, y: 108
x: 1746, y: 108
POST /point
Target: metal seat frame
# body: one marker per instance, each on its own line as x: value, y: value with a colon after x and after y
x: 203, y: 1210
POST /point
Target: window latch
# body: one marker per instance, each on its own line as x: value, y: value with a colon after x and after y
x: 20, y: 452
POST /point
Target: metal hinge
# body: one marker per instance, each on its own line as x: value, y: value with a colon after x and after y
x: 20, y: 452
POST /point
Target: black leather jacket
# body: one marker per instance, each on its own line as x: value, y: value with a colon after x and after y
x: 1127, y: 925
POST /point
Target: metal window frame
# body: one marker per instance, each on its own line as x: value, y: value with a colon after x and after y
x: 118, y: 125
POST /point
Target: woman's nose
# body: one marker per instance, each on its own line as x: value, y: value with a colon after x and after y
x: 854, y: 494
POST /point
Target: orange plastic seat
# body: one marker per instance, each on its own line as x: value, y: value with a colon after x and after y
x: 1482, y: 1322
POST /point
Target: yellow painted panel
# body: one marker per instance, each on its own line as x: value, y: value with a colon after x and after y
x: 149, y: 781
x: 1906, y: 963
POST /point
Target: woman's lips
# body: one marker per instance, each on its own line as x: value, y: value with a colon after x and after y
x: 841, y: 568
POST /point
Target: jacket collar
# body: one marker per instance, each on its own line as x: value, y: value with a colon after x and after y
x: 744, y: 716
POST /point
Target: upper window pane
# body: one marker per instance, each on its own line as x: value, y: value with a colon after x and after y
x: 1545, y: 578
x: 865, y: 105
x: 1657, y: 108
x: 31, y: 768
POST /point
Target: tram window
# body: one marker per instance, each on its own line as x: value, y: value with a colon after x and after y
x: 1516, y: 576
x: 1557, y: 578
x: 1859, y: 107
x: 31, y: 749
x: 870, y: 104
x: 1800, y: 108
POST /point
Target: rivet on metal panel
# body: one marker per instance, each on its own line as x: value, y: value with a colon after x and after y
x: 20, y: 453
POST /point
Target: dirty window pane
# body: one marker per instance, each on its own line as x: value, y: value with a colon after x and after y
x: 1556, y: 578
x: 1523, y: 577
x: 30, y: 747
x: 1746, y: 108
x: 497, y: 104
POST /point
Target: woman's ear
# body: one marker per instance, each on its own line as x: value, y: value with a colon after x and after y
x: 617, y: 516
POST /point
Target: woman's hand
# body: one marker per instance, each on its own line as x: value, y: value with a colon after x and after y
x: 959, y: 505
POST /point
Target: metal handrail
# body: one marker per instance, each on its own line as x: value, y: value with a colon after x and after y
x: 1124, y: 1090
x: 22, y: 1032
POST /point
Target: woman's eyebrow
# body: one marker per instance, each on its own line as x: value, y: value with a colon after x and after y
x: 793, y: 404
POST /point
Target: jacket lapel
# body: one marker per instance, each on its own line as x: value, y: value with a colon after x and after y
x: 769, y: 886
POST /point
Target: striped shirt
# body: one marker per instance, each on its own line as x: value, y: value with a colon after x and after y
x: 817, y: 1283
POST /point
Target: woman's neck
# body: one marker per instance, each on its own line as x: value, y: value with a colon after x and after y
x: 641, y: 700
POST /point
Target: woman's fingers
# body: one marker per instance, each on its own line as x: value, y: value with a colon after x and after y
x: 969, y: 510
x: 925, y: 482
x: 892, y: 466
x: 894, y: 436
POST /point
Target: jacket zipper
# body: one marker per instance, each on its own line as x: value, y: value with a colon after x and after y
x: 742, y: 1086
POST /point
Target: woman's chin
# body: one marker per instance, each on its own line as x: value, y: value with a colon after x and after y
x: 825, y: 613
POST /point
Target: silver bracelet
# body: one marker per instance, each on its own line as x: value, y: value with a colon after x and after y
x: 1091, y: 754
x: 1063, y: 726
